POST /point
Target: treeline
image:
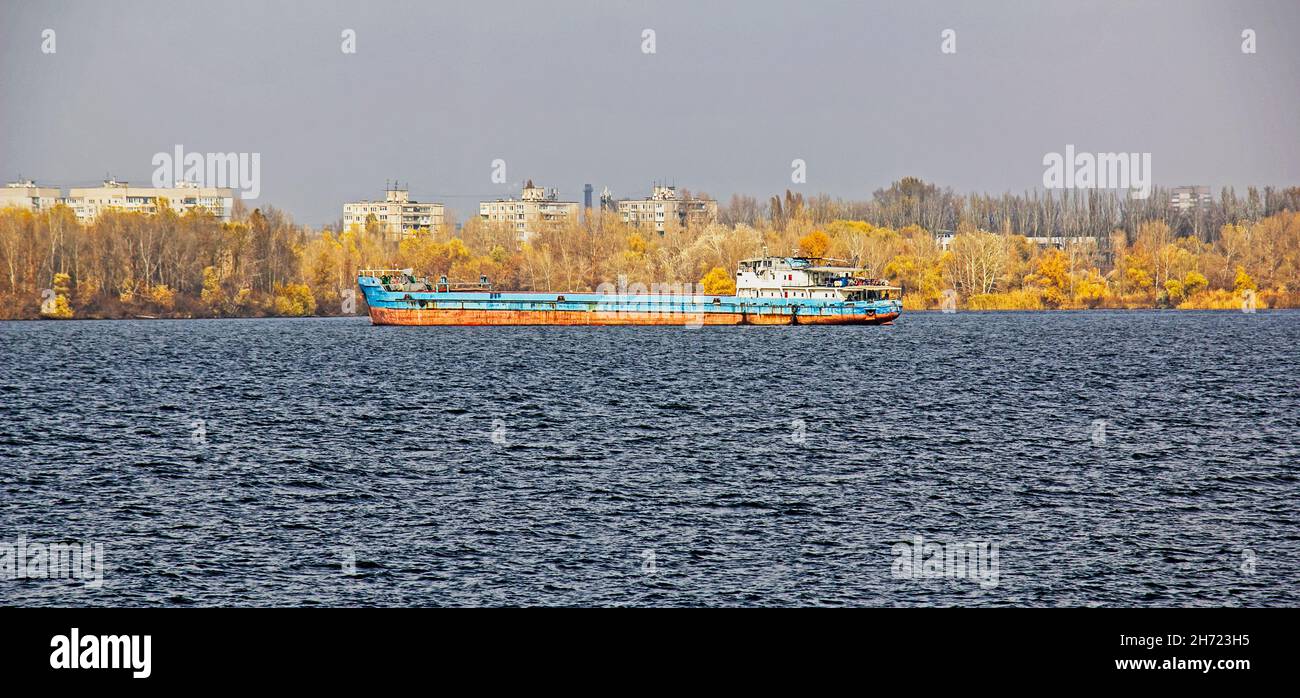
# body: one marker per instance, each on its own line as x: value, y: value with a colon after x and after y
x: 1068, y: 213
x: 1119, y: 254
x: 128, y: 264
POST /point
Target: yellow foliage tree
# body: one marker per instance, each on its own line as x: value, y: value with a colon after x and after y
x: 62, y: 309
x: 636, y: 244
x: 163, y: 296
x: 1193, y: 283
x: 1091, y: 290
x: 814, y: 244
x: 1173, y: 292
x: 212, y: 295
x: 1052, y: 278
x: 1243, y: 281
x: 718, y: 282
x: 57, y: 306
x: 294, y: 300
x: 921, y: 278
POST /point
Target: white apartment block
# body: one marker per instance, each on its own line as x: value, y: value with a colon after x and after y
x: 89, y: 202
x: 26, y: 195
x: 535, y: 209
x: 397, y: 214
x: 1188, y: 198
x: 664, y: 206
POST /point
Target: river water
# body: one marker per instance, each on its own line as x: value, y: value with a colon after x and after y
x: 1087, y: 458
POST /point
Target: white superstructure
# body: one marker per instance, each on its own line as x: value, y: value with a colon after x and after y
x: 805, y: 277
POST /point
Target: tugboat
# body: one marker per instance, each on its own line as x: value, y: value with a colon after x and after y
x: 769, y: 291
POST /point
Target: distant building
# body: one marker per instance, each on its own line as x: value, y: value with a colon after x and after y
x: 27, y: 195
x: 1061, y: 243
x: 1185, y: 199
x: 535, y: 209
x: 664, y: 205
x: 397, y: 215
x: 944, y: 238
x: 89, y: 202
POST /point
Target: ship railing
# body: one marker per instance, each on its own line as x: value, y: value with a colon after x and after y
x: 380, y: 273
x: 448, y: 287
x: 445, y: 286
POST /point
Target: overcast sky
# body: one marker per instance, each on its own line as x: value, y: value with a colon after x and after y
x: 562, y: 91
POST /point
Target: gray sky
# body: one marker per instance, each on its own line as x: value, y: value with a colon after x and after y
x: 562, y: 92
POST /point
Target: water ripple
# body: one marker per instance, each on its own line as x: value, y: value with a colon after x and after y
x: 1118, y: 458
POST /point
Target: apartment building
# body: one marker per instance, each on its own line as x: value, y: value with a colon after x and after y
x: 535, y: 209
x: 1189, y: 198
x: 397, y: 215
x: 665, y: 205
x: 89, y: 202
x: 25, y: 194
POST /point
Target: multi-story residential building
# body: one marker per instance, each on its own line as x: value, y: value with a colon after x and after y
x: 25, y: 194
x: 1189, y: 198
x: 89, y: 202
x: 535, y: 209
x: 664, y: 205
x: 397, y: 214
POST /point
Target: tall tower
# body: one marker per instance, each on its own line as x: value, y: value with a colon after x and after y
x: 586, y: 203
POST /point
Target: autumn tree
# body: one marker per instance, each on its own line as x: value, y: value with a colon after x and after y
x: 814, y: 244
x: 718, y: 282
x: 976, y: 261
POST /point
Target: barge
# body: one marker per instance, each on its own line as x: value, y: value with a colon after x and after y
x: 769, y: 291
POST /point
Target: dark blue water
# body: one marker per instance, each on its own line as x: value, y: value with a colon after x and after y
x: 1115, y: 458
